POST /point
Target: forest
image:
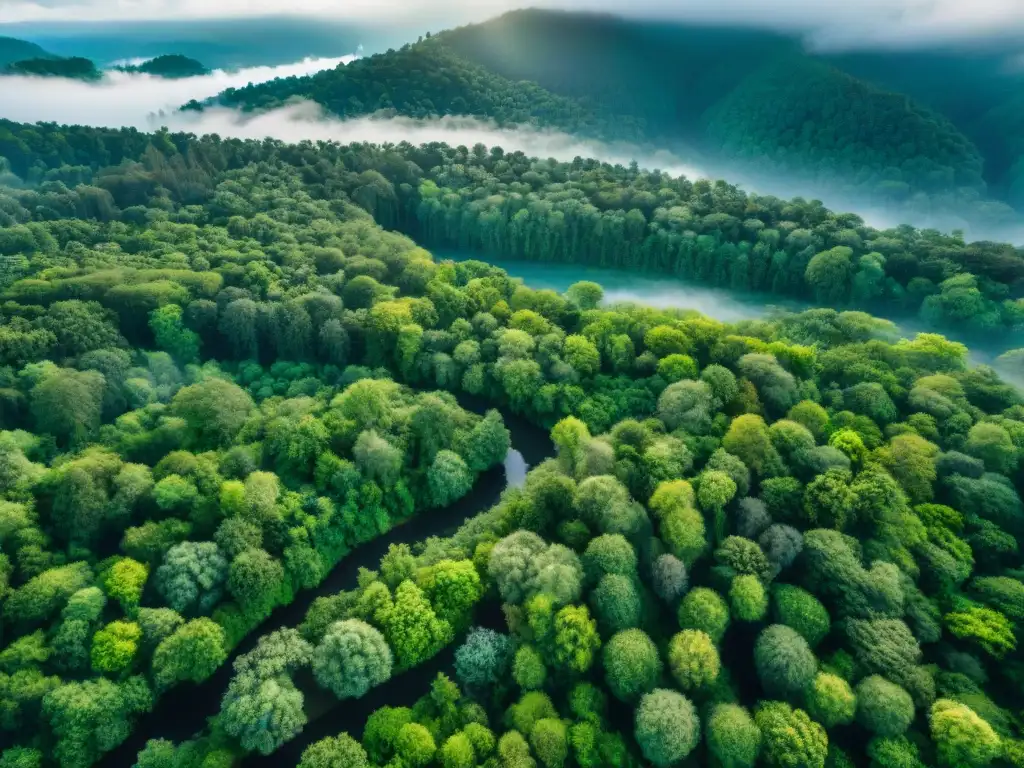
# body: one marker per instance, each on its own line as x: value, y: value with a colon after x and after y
x: 933, y: 143
x: 224, y: 369
x: 509, y: 205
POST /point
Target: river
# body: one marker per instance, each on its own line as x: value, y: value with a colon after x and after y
x: 183, y: 711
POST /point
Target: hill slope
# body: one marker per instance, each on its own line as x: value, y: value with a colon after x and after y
x: 12, y: 49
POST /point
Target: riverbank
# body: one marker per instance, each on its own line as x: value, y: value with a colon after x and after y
x: 183, y: 711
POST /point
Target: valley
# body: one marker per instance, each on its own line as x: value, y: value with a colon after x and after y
x: 558, y: 390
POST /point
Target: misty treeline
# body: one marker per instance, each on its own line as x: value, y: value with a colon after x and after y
x: 509, y: 205
x: 789, y: 541
x: 751, y: 101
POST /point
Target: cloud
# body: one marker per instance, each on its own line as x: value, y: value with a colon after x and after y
x: 828, y: 24
x: 123, y: 99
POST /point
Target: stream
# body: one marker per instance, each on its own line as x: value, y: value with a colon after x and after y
x: 183, y: 711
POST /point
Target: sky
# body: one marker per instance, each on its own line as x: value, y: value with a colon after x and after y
x: 828, y: 23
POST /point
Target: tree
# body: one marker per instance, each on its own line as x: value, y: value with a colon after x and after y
x: 192, y: 652
x: 68, y: 403
x: 883, y: 708
x: 829, y: 273
x: 585, y: 294
x: 414, y: 745
x: 631, y: 664
x: 790, y: 737
x: 381, y: 731
x: 510, y: 564
x: 549, y: 739
x: 528, y: 668
x: 412, y: 629
x: 831, y: 701
x: 962, y: 739
x: 172, y: 336
x: 335, y: 752
x: 993, y: 445
x: 192, y: 576
x: 488, y: 443
x: 262, y: 713
x: 352, y: 658
x: 693, y: 660
x: 214, y: 410
x: 704, y: 609
x: 669, y: 578
x: 799, y: 609
x: 114, y: 646
x: 575, y: 639
x: 377, y: 458
x: 457, y: 752
x: 748, y: 598
x: 616, y: 603
x: 733, y: 737
x: 448, y: 478
x: 686, y: 405
x: 484, y: 659
x: 609, y: 554
x: 254, y: 580
x: 785, y: 663
x: 92, y: 717
x: 667, y: 727
x: 748, y: 439
x: 125, y: 581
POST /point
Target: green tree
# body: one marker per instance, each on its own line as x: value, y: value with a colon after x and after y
x: 192, y: 652
x: 693, y: 660
x: 830, y: 700
x: 733, y: 737
x: 790, y: 737
x: 631, y: 664
x: 352, y: 658
x: 962, y: 739
x: 667, y: 727
x: 785, y: 663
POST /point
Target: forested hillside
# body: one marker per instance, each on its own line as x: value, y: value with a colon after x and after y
x: 756, y: 104
x: 426, y: 80
x: 12, y: 50
x: 788, y: 542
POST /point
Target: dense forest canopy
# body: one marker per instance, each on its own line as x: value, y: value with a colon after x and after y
x: 783, y: 542
x: 754, y: 103
x: 75, y: 68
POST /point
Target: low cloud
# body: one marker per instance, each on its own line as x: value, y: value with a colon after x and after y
x: 885, y: 23
x: 130, y: 99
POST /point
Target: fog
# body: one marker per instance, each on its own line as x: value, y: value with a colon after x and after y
x: 147, y: 103
x: 130, y: 99
x: 865, y: 23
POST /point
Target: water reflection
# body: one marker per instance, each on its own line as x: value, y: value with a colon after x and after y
x: 515, y: 469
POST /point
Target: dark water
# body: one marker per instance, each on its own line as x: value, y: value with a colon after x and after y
x: 182, y: 712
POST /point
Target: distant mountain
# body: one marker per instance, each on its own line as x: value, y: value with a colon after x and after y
x: 218, y: 43
x: 74, y: 67
x: 13, y: 49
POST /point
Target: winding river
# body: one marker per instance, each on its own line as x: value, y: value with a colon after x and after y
x: 183, y: 711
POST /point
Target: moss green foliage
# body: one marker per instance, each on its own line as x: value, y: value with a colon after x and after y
x: 352, y: 658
